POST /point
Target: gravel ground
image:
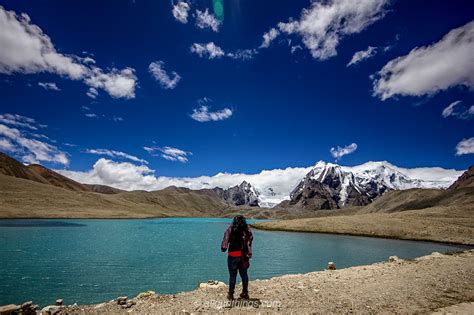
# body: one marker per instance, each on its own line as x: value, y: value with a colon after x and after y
x: 430, y: 283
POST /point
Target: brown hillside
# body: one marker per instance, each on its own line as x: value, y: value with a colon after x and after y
x: 56, y: 179
x: 11, y: 167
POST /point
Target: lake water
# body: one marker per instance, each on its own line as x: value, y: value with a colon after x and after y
x: 88, y: 261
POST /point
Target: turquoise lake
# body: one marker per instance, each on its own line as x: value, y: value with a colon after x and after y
x: 90, y: 261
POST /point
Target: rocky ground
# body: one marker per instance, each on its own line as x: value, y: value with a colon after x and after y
x: 428, y: 284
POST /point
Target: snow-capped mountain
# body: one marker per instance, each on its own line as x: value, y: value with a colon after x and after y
x: 239, y: 195
x: 331, y: 186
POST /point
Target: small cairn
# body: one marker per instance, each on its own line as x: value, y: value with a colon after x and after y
x: 331, y: 266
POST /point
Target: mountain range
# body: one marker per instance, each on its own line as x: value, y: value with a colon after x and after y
x: 324, y: 186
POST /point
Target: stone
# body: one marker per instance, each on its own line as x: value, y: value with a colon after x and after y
x: 331, y: 266
x: 7, y: 309
x: 393, y: 259
x: 122, y: 300
x: 146, y: 294
x: 212, y: 284
x: 59, y: 302
x: 50, y: 310
x: 27, y: 304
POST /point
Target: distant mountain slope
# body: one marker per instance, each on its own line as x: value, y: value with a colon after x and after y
x: 465, y: 180
x: 56, y: 179
x: 22, y: 198
x: 38, y: 173
x: 11, y: 167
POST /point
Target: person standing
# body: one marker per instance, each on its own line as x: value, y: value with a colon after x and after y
x: 238, y: 241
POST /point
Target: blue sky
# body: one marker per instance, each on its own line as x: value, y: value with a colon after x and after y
x: 286, y: 105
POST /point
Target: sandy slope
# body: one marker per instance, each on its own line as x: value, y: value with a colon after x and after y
x: 404, y: 286
x: 442, y: 224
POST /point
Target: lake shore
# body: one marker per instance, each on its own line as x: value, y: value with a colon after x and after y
x: 421, y: 285
x: 437, y: 225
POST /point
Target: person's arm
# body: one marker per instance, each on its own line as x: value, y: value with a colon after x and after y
x: 249, y: 244
x: 225, y: 239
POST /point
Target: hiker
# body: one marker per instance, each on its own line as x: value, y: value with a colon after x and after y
x: 238, y: 241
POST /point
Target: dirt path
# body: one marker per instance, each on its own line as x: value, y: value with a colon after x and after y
x: 422, y: 285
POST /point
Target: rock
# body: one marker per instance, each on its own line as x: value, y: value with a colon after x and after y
x: 7, y: 309
x: 27, y: 304
x: 393, y: 259
x: 331, y: 266
x: 59, y: 302
x: 212, y: 284
x: 122, y: 300
x: 146, y: 294
x: 50, y: 310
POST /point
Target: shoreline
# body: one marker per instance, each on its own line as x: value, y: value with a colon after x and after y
x: 468, y: 246
x: 424, y: 284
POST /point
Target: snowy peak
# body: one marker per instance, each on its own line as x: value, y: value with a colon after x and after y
x: 239, y: 195
x: 343, y: 186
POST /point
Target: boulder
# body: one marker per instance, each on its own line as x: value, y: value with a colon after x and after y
x: 393, y: 259
x: 59, y: 302
x: 146, y: 294
x: 212, y: 284
x: 50, y: 310
x: 122, y: 300
x: 8, y: 309
x: 331, y: 266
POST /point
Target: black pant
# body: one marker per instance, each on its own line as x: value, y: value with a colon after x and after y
x: 235, y: 264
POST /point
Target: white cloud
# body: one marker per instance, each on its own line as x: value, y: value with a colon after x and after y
x: 92, y: 92
x: 430, y: 69
x: 20, y: 121
x: 49, y: 86
x: 169, y: 153
x: 6, y: 145
x: 204, y: 20
x: 465, y: 146
x: 463, y: 113
x: 117, y: 119
x: 339, y: 152
x: 31, y: 150
x: 268, y: 37
x: 212, y: 51
x: 122, y: 175
x: 449, y: 110
x: 91, y: 115
x: 116, y: 154
x: 118, y: 83
x: 26, y: 49
x: 295, y: 48
x: 180, y: 11
x: 243, y: 54
x: 209, y: 50
x: 166, y: 81
x: 362, y: 55
x: 202, y: 114
x: 324, y: 24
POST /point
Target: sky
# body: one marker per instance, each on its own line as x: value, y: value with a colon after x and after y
x: 129, y: 91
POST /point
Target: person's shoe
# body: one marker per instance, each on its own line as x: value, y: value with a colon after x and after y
x: 244, y: 295
x: 230, y: 296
